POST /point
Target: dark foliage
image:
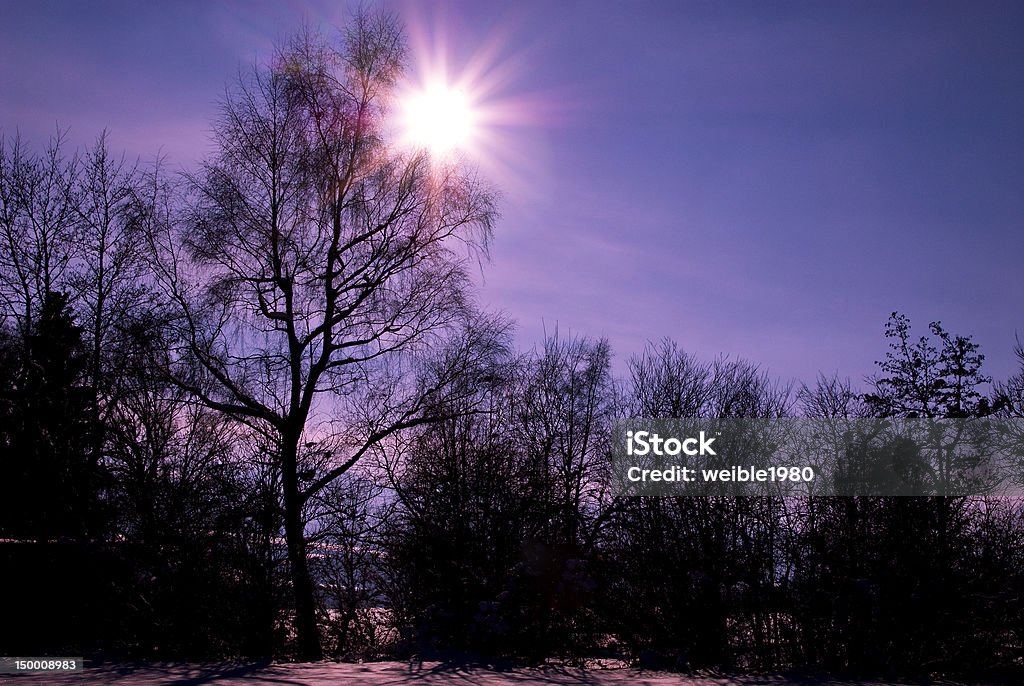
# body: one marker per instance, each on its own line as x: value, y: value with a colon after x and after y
x: 51, y: 482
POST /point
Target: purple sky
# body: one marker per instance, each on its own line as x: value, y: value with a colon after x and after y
x: 764, y: 180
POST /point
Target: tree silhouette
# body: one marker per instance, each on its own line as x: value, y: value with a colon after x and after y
x: 1010, y: 394
x: 927, y: 378
x: 38, y: 227
x: 51, y: 479
x: 313, y: 266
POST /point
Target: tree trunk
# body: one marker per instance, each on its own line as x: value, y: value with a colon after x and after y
x: 306, y: 632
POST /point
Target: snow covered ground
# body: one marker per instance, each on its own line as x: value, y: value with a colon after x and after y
x: 383, y: 674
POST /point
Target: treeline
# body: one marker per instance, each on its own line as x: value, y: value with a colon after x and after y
x: 507, y: 540
x: 253, y: 410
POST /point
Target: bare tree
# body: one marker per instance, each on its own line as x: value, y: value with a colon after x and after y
x: 109, y: 272
x: 831, y: 397
x: 564, y: 425
x: 668, y: 382
x: 1010, y: 394
x: 312, y: 266
x: 713, y: 563
x: 920, y: 379
x: 351, y: 513
x: 38, y: 227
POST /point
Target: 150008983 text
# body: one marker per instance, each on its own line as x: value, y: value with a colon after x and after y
x: 14, y: 665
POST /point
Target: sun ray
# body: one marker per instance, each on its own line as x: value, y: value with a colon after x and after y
x: 475, y: 106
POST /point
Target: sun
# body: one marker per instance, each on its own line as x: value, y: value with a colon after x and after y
x: 438, y: 118
x: 468, y: 111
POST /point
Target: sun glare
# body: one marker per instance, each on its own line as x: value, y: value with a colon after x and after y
x: 465, y: 110
x: 438, y: 118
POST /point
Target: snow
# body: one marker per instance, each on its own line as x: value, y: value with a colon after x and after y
x: 384, y: 674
